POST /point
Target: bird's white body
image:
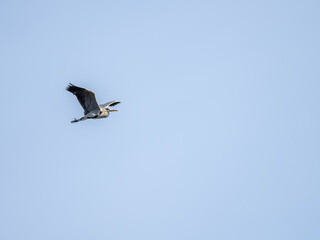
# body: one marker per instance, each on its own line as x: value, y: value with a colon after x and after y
x: 103, y: 113
x: 96, y: 114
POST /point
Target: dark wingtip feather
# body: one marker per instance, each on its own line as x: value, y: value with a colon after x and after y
x: 68, y: 88
x: 74, y: 89
x: 115, y: 103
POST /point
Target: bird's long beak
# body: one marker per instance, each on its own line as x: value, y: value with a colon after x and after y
x: 113, y: 110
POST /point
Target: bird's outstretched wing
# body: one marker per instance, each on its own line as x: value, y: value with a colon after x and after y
x: 86, y: 98
x: 109, y: 104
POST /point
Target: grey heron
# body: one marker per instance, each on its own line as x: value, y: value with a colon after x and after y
x: 88, y: 101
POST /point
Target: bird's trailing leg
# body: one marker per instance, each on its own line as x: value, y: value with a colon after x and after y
x: 77, y: 120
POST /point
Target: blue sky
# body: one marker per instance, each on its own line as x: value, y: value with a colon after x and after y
x: 217, y: 135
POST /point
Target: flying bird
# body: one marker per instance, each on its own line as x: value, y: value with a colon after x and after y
x: 88, y: 101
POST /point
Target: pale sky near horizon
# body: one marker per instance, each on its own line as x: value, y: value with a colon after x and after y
x: 217, y: 135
